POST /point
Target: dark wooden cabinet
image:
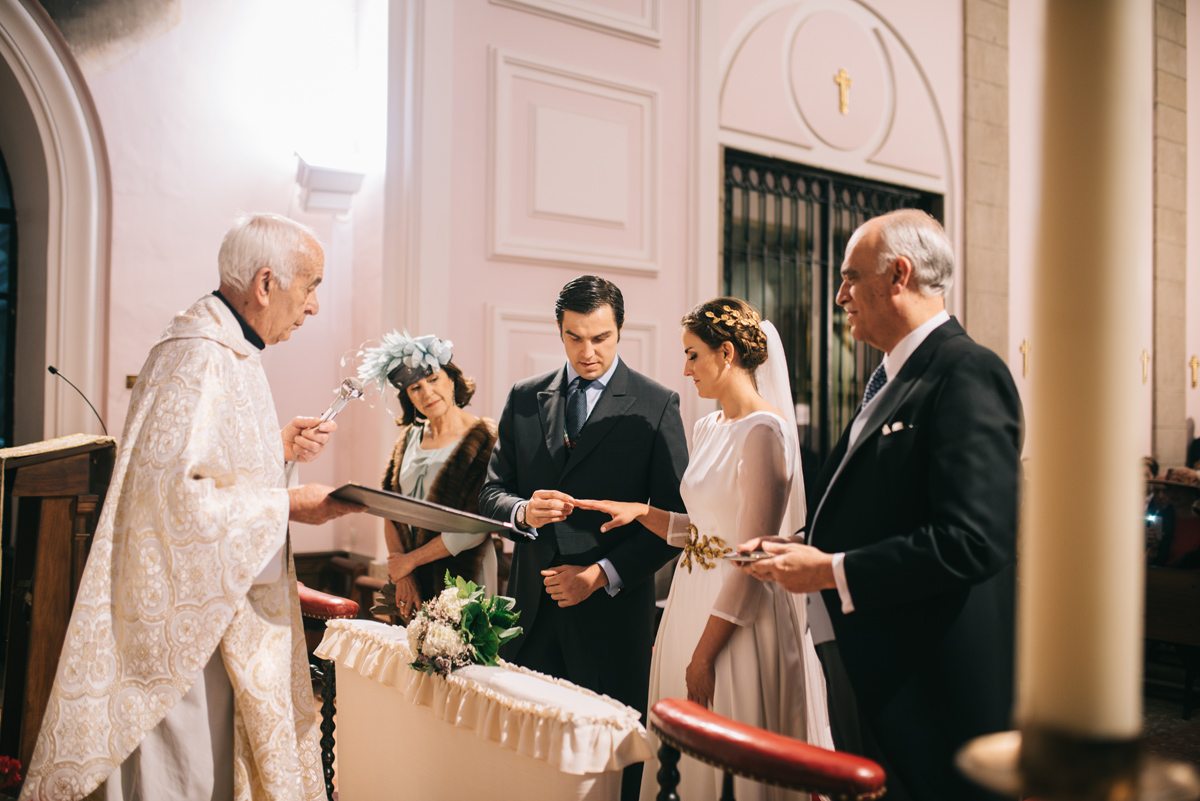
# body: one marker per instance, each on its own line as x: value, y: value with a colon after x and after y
x: 53, y: 492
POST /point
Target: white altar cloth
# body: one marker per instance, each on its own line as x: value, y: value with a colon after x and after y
x: 483, y: 732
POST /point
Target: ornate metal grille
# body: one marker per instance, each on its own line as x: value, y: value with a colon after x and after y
x: 786, y: 228
x: 8, y: 303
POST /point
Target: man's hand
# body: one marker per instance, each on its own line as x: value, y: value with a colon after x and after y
x: 303, y: 438
x: 408, y: 600
x: 795, y: 566
x: 548, y: 506
x: 310, y: 503
x: 572, y: 584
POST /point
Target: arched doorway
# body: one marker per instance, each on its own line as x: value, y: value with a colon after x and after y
x: 8, y: 304
x: 58, y: 170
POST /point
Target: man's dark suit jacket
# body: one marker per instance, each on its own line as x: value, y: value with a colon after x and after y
x: 925, y: 508
x: 632, y: 448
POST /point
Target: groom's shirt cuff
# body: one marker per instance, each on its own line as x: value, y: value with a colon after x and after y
x: 614, y: 578
x: 839, y: 576
x: 512, y: 518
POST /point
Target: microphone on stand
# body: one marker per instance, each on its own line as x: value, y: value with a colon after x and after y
x: 54, y: 371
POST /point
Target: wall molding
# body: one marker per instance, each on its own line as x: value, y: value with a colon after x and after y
x: 645, y: 28
x: 503, y: 243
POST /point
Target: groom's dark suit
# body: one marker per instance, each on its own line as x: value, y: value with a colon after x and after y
x: 632, y: 448
x: 925, y: 508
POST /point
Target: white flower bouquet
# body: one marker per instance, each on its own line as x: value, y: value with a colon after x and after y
x: 461, y: 626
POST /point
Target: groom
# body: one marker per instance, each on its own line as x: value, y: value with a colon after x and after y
x: 596, y: 429
x: 913, y: 540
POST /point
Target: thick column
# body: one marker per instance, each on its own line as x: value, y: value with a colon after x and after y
x: 985, y: 185
x: 1170, y: 231
x: 1081, y: 560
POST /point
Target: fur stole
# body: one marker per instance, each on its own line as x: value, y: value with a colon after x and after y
x: 456, y: 485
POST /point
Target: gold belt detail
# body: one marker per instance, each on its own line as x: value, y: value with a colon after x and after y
x: 705, y: 550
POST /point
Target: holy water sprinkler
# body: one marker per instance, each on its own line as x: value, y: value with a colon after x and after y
x: 350, y: 389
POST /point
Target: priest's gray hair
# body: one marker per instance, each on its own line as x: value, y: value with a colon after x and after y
x: 919, y: 237
x: 263, y: 240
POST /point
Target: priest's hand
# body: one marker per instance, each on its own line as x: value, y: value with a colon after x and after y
x: 795, y: 566
x: 572, y: 584
x: 310, y: 503
x: 304, y: 437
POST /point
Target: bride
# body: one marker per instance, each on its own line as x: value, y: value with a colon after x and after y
x: 726, y: 640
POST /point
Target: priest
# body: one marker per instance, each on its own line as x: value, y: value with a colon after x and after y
x: 184, y: 673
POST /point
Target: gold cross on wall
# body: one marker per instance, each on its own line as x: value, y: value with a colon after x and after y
x: 1145, y: 366
x: 842, y: 79
x: 1025, y: 358
x: 1194, y: 364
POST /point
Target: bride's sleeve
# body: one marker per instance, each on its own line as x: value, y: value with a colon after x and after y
x: 762, y: 494
x: 677, y: 529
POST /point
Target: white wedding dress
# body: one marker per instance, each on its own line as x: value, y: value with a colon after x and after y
x: 739, y: 485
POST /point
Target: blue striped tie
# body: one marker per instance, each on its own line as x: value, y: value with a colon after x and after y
x: 877, y: 382
x: 577, y: 409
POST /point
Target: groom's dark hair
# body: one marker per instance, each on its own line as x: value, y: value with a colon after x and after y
x: 587, y: 293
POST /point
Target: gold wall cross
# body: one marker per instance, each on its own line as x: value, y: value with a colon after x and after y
x: 842, y: 79
x: 1025, y: 358
x: 1145, y: 366
x: 1194, y: 364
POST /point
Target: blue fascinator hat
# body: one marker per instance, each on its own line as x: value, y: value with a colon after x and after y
x: 402, y: 360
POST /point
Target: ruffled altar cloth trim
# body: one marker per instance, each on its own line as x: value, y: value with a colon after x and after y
x: 573, y: 743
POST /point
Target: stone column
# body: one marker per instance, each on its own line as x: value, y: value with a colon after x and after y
x: 1170, y: 371
x: 985, y: 184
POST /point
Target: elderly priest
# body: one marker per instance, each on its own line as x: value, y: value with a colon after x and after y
x: 184, y: 673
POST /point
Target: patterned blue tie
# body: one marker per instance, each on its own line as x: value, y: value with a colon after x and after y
x: 877, y: 382
x: 577, y: 409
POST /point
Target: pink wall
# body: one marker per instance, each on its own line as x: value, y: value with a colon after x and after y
x: 1193, y: 202
x: 201, y: 124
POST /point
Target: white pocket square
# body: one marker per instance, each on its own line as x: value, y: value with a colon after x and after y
x: 889, y: 429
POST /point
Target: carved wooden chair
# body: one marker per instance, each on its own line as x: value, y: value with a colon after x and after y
x: 317, y: 607
x: 762, y: 756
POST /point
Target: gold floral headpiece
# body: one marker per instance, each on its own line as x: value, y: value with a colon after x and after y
x: 732, y: 318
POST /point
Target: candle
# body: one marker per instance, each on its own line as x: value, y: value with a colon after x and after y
x: 1081, y: 557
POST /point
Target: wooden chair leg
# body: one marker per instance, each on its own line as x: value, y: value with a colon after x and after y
x: 322, y: 671
x: 668, y: 773
x: 1190, y: 657
x: 727, y: 787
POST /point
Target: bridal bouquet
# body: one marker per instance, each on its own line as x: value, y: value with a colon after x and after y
x: 460, y: 627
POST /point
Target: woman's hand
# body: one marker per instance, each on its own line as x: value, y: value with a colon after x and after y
x: 408, y: 600
x: 623, y: 513
x: 399, y: 566
x: 701, y: 678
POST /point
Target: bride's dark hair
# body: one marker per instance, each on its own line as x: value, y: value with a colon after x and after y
x: 729, y: 320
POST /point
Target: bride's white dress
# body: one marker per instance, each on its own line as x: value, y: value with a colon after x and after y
x: 737, y: 487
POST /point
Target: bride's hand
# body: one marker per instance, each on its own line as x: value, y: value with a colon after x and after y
x: 622, y: 513
x: 701, y: 679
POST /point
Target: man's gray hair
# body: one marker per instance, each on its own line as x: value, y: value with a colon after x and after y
x: 921, y: 238
x: 263, y: 240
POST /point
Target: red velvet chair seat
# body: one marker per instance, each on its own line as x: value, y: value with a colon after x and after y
x: 764, y: 756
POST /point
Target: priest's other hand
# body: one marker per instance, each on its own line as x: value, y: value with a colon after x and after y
x: 310, y: 503
x: 572, y: 584
x: 304, y: 437
x: 795, y: 566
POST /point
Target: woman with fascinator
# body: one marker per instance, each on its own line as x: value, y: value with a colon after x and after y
x: 727, y: 640
x: 441, y: 455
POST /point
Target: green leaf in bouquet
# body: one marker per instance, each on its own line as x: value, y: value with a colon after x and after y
x: 508, y: 634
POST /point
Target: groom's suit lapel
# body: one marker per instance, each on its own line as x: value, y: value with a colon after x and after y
x: 552, y: 406
x: 913, y: 374
x: 612, y: 405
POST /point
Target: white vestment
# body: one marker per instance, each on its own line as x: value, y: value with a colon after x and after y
x: 193, y: 512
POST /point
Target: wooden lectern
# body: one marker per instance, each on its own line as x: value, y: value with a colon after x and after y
x: 52, y: 495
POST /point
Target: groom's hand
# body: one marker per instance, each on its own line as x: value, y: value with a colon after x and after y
x: 548, y: 506
x: 572, y: 584
x: 795, y: 566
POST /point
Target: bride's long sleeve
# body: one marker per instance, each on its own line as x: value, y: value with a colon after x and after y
x: 763, y: 489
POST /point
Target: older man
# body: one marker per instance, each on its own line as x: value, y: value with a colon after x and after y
x: 184, y: 672
x: 912, y: 541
